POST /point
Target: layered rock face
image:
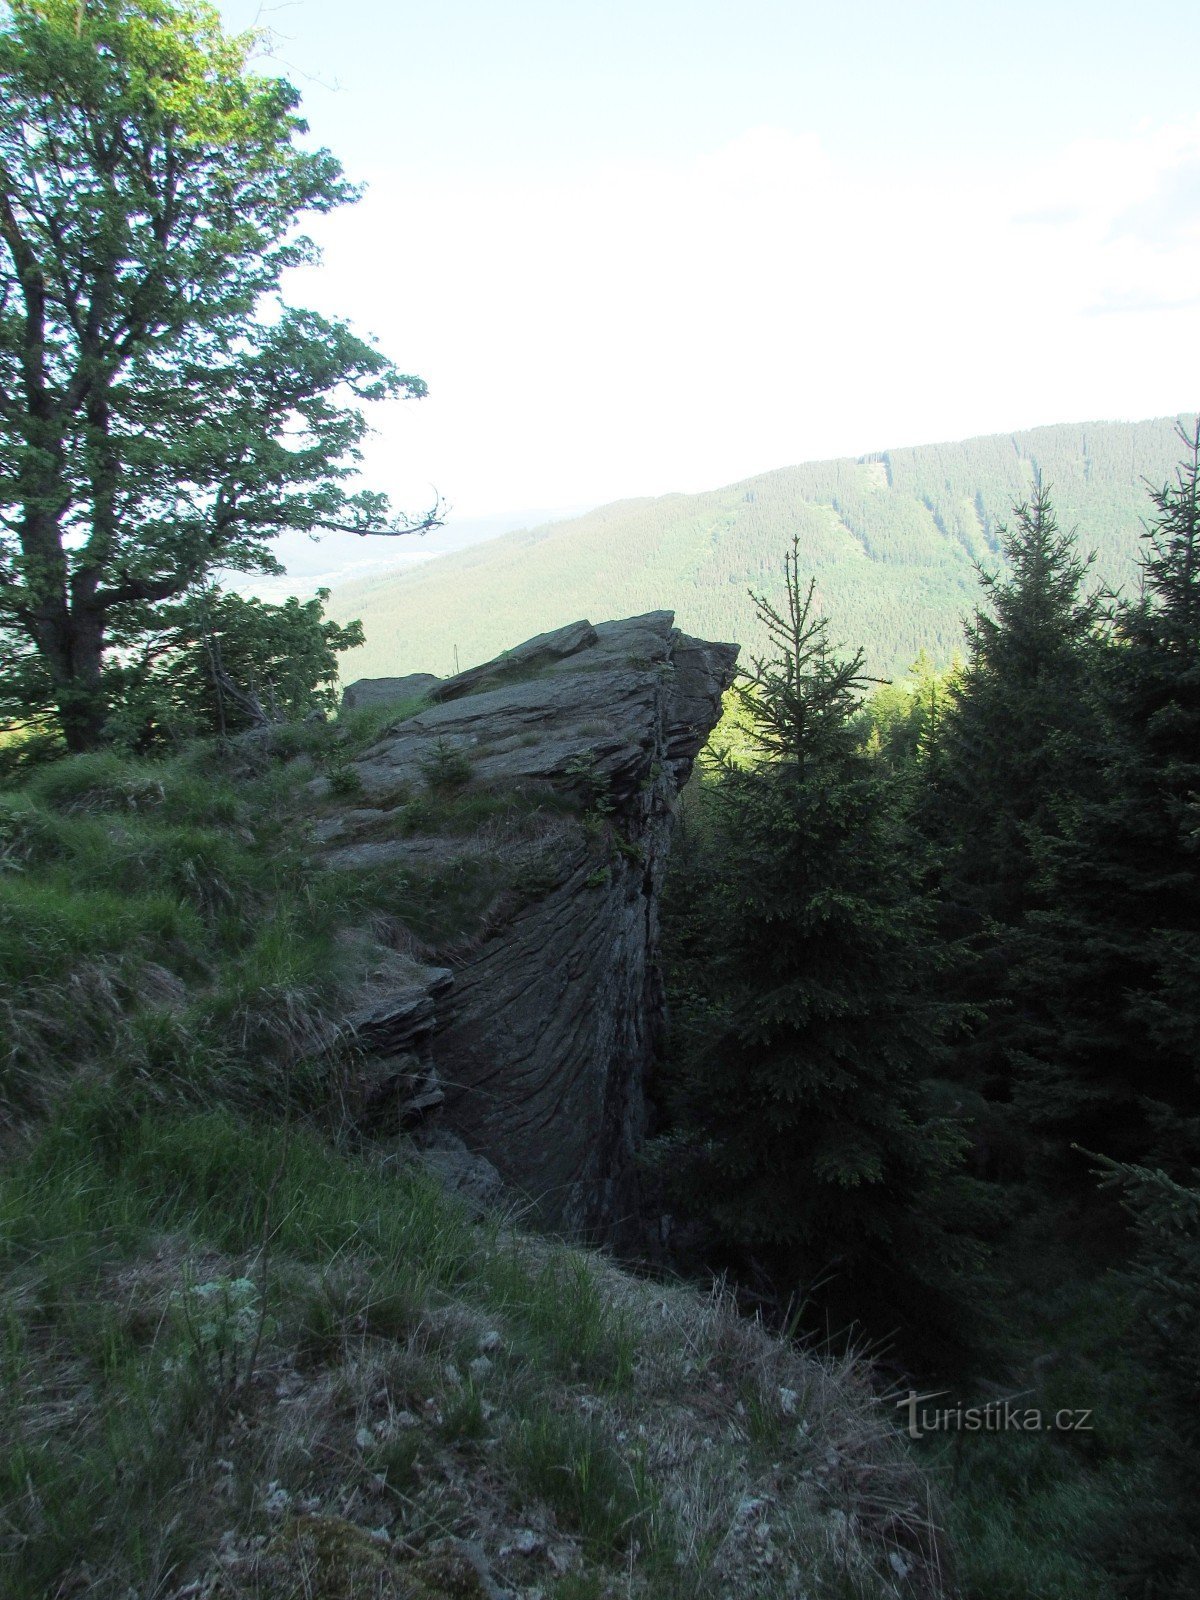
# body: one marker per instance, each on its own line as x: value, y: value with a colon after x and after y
x: 540, y: 790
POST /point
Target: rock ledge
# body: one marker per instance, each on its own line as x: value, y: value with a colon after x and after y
x: 544, y: 1009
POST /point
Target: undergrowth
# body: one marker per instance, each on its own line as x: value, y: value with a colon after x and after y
x: 215, y: 1330
x: 243, y: 1353
x: 163, y: 918
x: 1041, y: 1512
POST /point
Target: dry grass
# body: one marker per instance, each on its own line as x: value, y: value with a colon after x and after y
x: 215, y: 1394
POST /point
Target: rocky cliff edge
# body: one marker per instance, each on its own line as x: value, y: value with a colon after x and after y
x: 512, y: 837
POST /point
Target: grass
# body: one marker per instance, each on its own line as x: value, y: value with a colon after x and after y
x: 240, y: 1346
x: 567, y: 1323
x: 211, y: 1325
x: 164, y: 918
x: 161, y: 918
x: 441, y: 905
x: 355, y: 731
x: 151, y: 1393
x: 1021, y: 1520
x: 569, y: 1462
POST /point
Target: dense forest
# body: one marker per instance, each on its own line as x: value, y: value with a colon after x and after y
x: 934, y: 957
x: 892, y: 540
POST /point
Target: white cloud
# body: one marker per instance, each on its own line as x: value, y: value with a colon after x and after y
x: 648, y: 327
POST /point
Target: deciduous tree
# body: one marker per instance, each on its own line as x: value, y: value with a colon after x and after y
x: 163, y: 410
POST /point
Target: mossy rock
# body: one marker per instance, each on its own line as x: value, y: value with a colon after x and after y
x: 330, y: 1558
x: 449, y: 1575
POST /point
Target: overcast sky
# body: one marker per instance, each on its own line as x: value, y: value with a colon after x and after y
x: 637, y: 247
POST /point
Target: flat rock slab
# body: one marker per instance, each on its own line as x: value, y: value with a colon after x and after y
x: 387, y: 691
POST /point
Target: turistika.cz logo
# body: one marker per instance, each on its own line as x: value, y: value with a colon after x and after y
x: 997, y: 1416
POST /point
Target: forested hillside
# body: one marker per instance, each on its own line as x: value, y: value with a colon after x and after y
x: 892, y: 539
x: 933, y: 961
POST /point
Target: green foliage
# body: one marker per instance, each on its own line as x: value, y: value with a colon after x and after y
x: 238, y: 1319
x: 447, y: 767
x: 892, y: 539
x: 344, y: 779
x: 219, y: 1301
x: 219, y: 664
x: 1113, y: 952
x: 568, y: 1461
x: 147, y: 931
x: 103, y: 1188
x: 592, y: 786
x: 901, y: 722
x: 154, y: 423
x: 566, y: 1322
x: 801, y: 1129
x: 169, y: 966
x: 1018, y: 740
x: 1021, y: 1522
x: 223, y: 1321
x: 360, y: 727
x: 1017, y: 748
x: 1158, y: 1550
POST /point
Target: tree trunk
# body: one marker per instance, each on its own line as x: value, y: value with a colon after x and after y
x: 75, y: 665
x: 82, y: 720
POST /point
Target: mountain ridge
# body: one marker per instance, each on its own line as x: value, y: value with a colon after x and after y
x: 893, y: 538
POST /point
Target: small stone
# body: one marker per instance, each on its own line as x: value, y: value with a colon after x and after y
x: 276, y: 1500
x: 563, y: 1558
x: 490, y: 1342
x: 479, y: 1368
x: 364, y: 1438
x: 788, y: 1399
x: 527, y: 1543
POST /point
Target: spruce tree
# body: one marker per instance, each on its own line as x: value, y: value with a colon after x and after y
x: 1157, y: 700
x: 1019, y: 738
x: 803, y: 1135
x: 1019, y: 747
x: 1117, y: 946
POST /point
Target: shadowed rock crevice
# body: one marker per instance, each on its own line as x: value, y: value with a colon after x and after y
x: 571, y: 750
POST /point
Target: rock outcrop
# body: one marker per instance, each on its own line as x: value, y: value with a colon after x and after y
x: 516, y: 836
x: 385, y: 691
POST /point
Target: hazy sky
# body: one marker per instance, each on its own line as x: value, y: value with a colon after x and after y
x: 653, y: 246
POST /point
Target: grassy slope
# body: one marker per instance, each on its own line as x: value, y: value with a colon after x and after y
x: 235, y: 1355
x: 892, y: 540
x: 246, y: 1352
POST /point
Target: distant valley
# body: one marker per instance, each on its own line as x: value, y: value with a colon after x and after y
x: 892, y: 539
